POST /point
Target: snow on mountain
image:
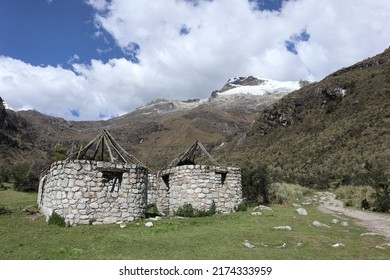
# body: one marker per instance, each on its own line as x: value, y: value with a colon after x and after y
x: 258, y: 86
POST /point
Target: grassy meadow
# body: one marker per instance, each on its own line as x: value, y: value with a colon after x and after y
x: 25, y: 236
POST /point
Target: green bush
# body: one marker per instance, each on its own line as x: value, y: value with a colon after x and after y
x: 56, y: 219
x: 242, y: 207
x: 24, y: 179
x: 255, y: 184
x: 4, y: 210
x: 58, y: 153
x: 187, y: 210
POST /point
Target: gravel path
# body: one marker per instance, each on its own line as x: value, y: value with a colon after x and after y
x: 374, y: 222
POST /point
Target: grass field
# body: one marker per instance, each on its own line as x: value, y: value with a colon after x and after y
x: 218, y: 237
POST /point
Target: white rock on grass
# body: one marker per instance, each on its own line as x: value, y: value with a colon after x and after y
x: 337, y: 245
x: 318, y: 224
x: 369, y: 234
x: 248, y: 244
x: 157, y: 218
x: 262, y: 207
x: 149, y: 224
x: 256, y: 213
x: 302, y: 211
x: 296, y: 205
x: 345, y: 224
x: 335, y: 221
x: 282, y: 228
x: 284, y: 245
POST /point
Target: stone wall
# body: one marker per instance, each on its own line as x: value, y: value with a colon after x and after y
x: 96, y: 192
x: 199, y: 185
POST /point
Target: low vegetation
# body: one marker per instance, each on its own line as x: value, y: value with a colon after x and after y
x: 221, y: 236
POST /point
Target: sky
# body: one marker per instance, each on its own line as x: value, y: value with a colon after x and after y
x: 98, y: 59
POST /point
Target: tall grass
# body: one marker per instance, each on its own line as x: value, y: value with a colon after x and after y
x: 283, y: 193
x: 354, y: 195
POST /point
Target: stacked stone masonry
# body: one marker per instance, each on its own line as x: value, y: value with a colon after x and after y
x: 97, y: 192
x: 94, y: 192
x: 199, y: 185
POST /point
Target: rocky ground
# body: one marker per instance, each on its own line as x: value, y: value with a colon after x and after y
x: 376, y: 223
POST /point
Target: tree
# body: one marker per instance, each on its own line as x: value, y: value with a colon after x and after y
x: 255, y: 184
x: 58, y: 153
x: 24, y: 179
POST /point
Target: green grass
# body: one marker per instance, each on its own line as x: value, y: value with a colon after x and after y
x: 217, y: 237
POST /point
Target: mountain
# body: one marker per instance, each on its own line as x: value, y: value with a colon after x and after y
x: 327, y: 133
x: 158, y: 131
x: 321, y: 134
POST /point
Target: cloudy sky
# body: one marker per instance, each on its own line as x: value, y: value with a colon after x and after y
x: 97, y: 59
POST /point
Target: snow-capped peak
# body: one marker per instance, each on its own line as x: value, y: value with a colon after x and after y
x: 258, y: 86
x: 7, y: 106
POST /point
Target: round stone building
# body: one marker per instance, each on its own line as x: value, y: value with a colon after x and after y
x: 95, y: 186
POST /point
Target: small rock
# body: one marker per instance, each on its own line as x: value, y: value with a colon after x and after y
x: 299, y: 244
x: 379, y: 247
x: 263, y: 207
x: 284, y: 245
x: 335, y: 221
x: 338, y: 245
x: 307, y: 202
x: 302, y: 211
x: 369, y: 234
x: 248, y: 244
x: 122, y: 225
x: 318, y: 224
x: 256, y: 213
x: 345, y: 224
x: 157, y: 218
x: 282, y: 228
x: 296, y: 205
x: 149, y: 224
x: 386, y: 244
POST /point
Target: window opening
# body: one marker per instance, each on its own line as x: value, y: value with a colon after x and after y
x: 113, y: 179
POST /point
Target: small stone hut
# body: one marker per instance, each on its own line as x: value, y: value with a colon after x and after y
x: 185, y: 181
x: 99, y: 184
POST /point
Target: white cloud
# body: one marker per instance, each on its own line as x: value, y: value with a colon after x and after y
x: 223, y: 38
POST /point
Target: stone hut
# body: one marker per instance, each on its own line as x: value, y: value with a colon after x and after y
x: 95, y: 186
x: 185, y: 181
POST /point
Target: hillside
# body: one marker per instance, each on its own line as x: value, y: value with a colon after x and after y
x: 326, y: 133
x: 154, y: 133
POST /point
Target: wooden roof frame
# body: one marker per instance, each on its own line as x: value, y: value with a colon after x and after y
x: 190, y: 155
x: 102, y: 141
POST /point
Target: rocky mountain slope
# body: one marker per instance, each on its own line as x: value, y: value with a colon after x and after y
x: 326, y: 133
x: 160, y: 130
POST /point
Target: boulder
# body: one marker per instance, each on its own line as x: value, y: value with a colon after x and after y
x: 318, y: 224
x: 282, y: 228
x: 248, y: 244
x: 149, y: 224
x: 302, y: 211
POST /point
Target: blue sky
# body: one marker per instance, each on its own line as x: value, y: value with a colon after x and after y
x: 56, y: 32
x: 94, y: 59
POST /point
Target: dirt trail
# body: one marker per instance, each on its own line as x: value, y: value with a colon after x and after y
x: 374, y: 222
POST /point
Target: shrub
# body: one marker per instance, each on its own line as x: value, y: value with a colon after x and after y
x: 379, y: 178
x: 255, y: 184
x: 58, y: 153
x: 56, y: 219
x: 357, y: 196
x: 283, y: 193
x: 187, y: 210
x: 242, y: 207
x: 24, y: 179
x: 4, y: 210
